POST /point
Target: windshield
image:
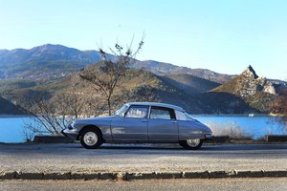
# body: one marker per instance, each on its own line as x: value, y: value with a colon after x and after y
x: 122, y: 110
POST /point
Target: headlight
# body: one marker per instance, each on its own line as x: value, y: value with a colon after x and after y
x: 71, y: 126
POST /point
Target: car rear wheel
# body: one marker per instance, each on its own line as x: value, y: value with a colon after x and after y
x: 191, y: 144
x: 91, y: 138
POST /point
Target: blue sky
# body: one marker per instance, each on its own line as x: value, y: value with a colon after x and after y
x: 222, y: 35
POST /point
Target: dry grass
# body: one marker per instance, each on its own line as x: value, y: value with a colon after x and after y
x: 232, y: 130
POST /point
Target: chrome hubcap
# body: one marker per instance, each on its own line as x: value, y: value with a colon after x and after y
x: 90, y: 138
x: 193, y: 142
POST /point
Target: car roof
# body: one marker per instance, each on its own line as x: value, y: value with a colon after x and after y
x: 158, y: 105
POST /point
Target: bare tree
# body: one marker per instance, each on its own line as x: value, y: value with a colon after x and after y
x: 105, y: 75
x: 69, y: 103
x: 52, y: 116
x: 280, y: 107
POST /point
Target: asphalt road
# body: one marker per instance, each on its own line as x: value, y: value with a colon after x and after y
x: 141, y: 158
x: 263, y: 184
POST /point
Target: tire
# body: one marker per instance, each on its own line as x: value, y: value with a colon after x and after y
x: 191, y: 144
x: 91, y: 138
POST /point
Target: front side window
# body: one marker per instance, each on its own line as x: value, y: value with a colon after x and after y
x: 161, y: 113
x: 137, y: 111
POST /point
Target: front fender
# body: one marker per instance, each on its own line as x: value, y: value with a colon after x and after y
x: 102, y: 123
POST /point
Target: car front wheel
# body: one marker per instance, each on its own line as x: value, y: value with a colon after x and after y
x: 91, y: 138
x: 191, y: 144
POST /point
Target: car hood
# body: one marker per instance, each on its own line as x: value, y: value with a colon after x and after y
x: 105, y: 118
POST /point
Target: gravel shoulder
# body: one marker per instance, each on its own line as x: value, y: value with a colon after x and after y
x: 254, y: 184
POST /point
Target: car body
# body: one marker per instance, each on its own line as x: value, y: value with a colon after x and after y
x: 141, y: 122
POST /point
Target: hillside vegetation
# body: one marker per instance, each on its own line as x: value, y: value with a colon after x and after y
x: 49, y: 71
x: 189, y: 92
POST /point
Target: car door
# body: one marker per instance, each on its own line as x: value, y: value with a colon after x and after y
x: 133, y: 126
x: 162, y: 125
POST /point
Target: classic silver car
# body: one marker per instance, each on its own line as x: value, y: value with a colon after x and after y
x: 141, y: 122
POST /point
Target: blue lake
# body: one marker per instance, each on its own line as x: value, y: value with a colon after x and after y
x: 255, y: 127
x: 12, y: 127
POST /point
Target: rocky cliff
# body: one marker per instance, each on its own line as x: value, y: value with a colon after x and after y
x: 247, y: 84
x: 254, y: 90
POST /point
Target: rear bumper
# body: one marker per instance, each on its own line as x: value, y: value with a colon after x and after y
x: 73, y: 134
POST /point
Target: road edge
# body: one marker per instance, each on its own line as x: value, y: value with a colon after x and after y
x: 12, y: 175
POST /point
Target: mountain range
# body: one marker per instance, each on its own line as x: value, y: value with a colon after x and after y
x: 49, y: 61
x: 51, y: 69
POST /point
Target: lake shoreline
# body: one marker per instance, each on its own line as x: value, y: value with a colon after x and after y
x: 12, y: 127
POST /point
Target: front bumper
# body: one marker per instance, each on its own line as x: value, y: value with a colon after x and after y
x: 73, y: 133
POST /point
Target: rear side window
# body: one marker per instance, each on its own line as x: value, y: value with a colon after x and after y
x: 161, y: 113
x: 137, y: 111
x: 181, y: 116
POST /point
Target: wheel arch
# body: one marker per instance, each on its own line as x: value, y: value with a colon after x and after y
x: 94, y: 127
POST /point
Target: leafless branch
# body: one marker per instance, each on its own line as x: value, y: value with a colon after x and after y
x: 106, y: 75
